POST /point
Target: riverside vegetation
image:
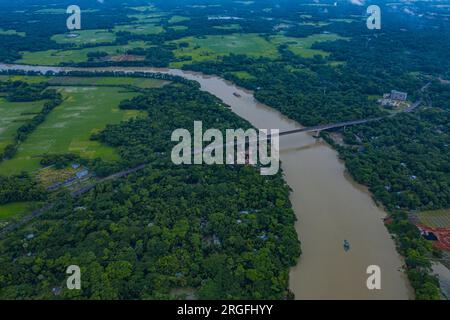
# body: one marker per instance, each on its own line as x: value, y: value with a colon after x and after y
x: 315, y: 67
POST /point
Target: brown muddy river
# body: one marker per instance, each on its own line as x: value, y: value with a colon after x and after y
x: 329, y: 206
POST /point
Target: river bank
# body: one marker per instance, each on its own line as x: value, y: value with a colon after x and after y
x: 329, y: 206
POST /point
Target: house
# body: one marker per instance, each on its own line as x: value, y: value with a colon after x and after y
x: 398, y: 95
x: 75, y: 165
x: 394, y: 99
x: 56, y: 291
x: 82, y: 174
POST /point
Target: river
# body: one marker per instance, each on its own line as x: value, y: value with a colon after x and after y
x: 328, y: 204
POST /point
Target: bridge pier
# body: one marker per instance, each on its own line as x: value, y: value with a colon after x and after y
x: 316, y: 134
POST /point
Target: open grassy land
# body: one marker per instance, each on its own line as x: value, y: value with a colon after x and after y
x: 242, y: 74
x: 302, y: 46
x: 88, y: 81
x: 144, y: 8
x: 147, y: 17
x: 55, y: 57
x: 211, y: 47
x: 11, y: 33
x: 29, y: 79
x: 141, y: 28
x: 345, y: 20
x: 315, y: 23
x: 435, y: 218
x: 13, y: 115
x: 81, y: 37
x: 178, y: 28
x: 233, y: 26
x: 68, y: 127
x: 107, y: 81
x: 13, y: 210
x: 176, y: 19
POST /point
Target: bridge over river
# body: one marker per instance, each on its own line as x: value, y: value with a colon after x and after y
x: 319, y: 128
x: 329, y: 207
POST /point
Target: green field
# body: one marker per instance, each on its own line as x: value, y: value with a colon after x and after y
x: 107, y: 81
x: 144, y: 8
x: 302, y: 46
x: 178, y: 28
x: 85, y: 37
x: 176, y: 19
x: 11, y: 33
x: 12, y: 116
x: 435, y: 218
x: 12, y: 210
x: 242, y: 74
x: 29, y: 79
x: 233, y: 26
x: 68, y: 127
x: 140, y: 28
x: 147, y: 17
x: 211, y: 47
x: 315, y: 23
x: 55, y: 57
x: 343, y: 20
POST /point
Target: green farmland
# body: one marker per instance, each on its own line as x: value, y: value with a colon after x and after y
x: 107, y: 81
x: 69, y: 126
x: 14, y: 210
x: 211, y: 47
x: 176, y: 19
x: 85, y: 37
x: 55, y: 57
x: 29, y: 79
x: 303, y: 46
x: 435, y: 218
x: 12, y: 116
x: 147, y: 28
x: 11, y: 33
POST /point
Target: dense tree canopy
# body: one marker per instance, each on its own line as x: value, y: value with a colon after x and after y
x: 224, y: 231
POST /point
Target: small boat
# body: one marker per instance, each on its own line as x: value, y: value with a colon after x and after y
x: 237, y: 94
x: 346, y: 245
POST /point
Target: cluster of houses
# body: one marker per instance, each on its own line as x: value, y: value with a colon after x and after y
x: 393, y: 99
x: 80, y: 174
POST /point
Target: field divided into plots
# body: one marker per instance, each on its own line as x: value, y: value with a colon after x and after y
x: 13, y: 115
x: 435, y: 218
x: 69, y: 126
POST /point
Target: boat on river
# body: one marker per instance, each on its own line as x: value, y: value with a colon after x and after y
x: 346, y: 245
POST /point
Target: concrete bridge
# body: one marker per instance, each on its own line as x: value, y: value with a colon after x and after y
x: 319, y: 128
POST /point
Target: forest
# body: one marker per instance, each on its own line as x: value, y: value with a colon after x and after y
x: 220, y: 231
x: 402, y: 159
x: 20, y: 188
x: 392, y: 157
